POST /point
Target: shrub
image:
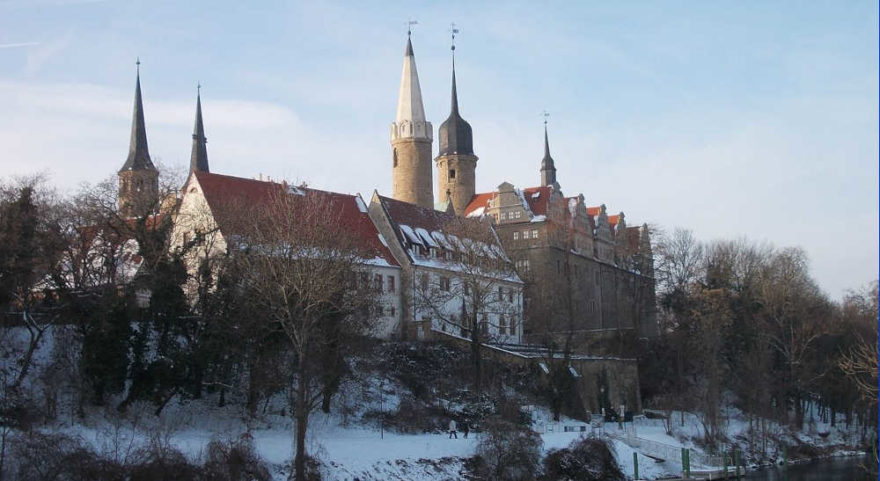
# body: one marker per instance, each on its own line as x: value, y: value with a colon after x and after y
x: 234, y: 461
x: 507, y: 452
x: 587, y: 459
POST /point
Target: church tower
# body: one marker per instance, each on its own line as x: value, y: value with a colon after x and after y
x: 411, y: 138
x: 198, y: 160
x: 548, y: 169
x: 456, y: 162
x: 138, y: 178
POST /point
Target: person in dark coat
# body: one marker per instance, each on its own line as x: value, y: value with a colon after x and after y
x: 465, y: 429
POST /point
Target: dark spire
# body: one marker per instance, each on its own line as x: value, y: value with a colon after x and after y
x: 548, y: 169
x: 409, y: 24
x: 198, y: 161
x: 138, y: 153
x: 456, y: 136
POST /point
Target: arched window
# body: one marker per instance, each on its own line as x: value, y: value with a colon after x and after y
x: 395, y: 158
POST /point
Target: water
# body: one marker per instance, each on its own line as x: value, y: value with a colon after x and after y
x: 838, y: 469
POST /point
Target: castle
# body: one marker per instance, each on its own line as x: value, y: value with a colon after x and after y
x: 582, y: 274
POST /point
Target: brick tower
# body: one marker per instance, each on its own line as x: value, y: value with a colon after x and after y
x: 456, y: 163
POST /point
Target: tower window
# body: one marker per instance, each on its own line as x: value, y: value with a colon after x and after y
x: 395, y: 157
x: 451, y: 173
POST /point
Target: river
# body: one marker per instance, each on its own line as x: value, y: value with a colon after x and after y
x: 837, y: 469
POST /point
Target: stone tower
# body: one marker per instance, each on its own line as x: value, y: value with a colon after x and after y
x: 548, y: 169
x: 411, y: 138
x: 198, y: 160
x: 138, y: 178
x: 456, y: 162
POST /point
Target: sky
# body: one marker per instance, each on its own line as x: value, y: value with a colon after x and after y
x: 732, y: 119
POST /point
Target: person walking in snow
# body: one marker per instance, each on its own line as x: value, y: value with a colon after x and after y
x: 452, y: 429
x: 465, y: 429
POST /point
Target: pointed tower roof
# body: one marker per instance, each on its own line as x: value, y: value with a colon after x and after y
x: 548, y: 169
x: 456, y: 136
x: 138, y: 153
x: 198, y: 161
x: 547, y: 161
x: 409, y: 100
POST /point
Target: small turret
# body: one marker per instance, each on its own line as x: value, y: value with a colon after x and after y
x: 198, y: 161
x: 548, y: 169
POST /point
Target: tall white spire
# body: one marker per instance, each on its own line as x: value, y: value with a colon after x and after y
x: 410, y: 121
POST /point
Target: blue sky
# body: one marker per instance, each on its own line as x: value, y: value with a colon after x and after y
x: 755, y: 119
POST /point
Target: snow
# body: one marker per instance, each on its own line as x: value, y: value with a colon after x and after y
x: 442, y: 240
x: 382, y: 239
x: 410, y: 234
x: 361, y: 205
x: 539, y: 218
x: 536, y: 195
x: 478, y: 212
x: 425, y: 236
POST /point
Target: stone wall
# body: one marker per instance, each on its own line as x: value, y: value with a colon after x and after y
x: 411, y: 172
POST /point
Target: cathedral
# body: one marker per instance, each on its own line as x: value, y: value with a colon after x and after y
x: 583, y: 274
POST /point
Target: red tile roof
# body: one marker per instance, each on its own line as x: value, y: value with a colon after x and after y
x: 222, y: 191
x: 537, y: 204
x: 479, y: 200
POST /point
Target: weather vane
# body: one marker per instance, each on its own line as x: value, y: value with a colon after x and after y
x: 546, y: 116
x: 409, y: 25
x: 138, y: 64
x: 454, y: 31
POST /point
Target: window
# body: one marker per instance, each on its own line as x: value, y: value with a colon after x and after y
x: 451, y: 174
x: 395, y: 157
x: 377, y: 282
x: 392, y: 310
x: 518, y: 214
x: 503, y: 215
x: 467, y: 289
x: 391, y: 286
x: 502, y: 325
x: 500, y: 293
x: 444, y: 283
x: 423, y: 280
x: 512, y: 328
x: 484, y: 326
x: 365, y: 279
x: 510, y: 295
x: 535, y: 234
x: 592, y: 307
x: 516, y: 236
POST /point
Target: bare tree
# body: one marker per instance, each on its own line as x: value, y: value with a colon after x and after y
x: 306, y: 276
x: 479, y: 278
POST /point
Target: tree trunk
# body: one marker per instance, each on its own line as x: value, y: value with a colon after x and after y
x: 475, y: 356
x: 28, y: 357
x: 302, y: 419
